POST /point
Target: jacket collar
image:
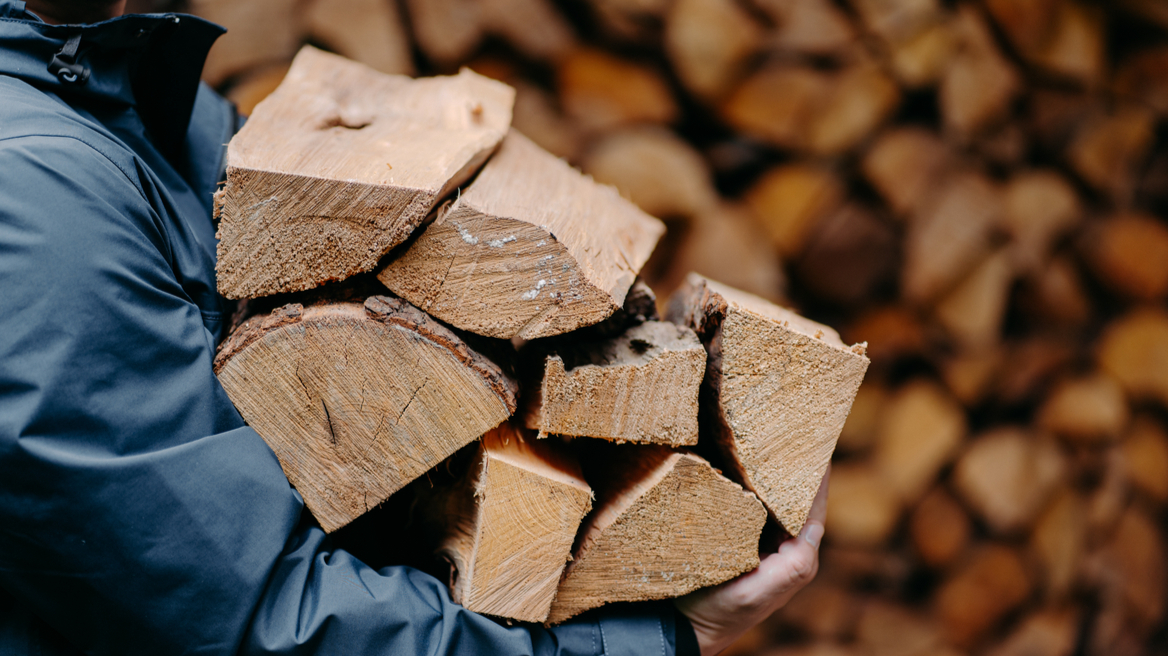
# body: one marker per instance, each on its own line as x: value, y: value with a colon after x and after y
x: 151, y: 62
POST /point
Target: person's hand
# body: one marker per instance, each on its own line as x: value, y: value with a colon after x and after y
x: 722, y: 613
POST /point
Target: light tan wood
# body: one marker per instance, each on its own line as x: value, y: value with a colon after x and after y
x: 641, y: 386
x: 1039, y: 207
x: 949, y: 235
x: 1134, y: 349
x: 255, y: 85
x: 974, y: 310
x: 533, y: 27
x: 1058, y: 542
x: 896, y: 20
x: 1087, y: 409
x: 340, y: 164
x: 258, y: 32
x: 825, y: 610
x: 939, y: 529
x: 1107, y: 149
x: 1048, y: 632
x: 921, y: 60
x: 368, y: 31
x: 980, y: 83
x: 922, y: 429
x: 1144, y: 452
x: 709, y: 43
x: 779, y: 388
x: 1062, y: 37
x: 531, y: 248
x: 813, y: 27
x: 358, y: 400
x: 790, y: 199
x: 655, y: 169
x: 538, y: 117
x: 446, y: 31
x: 985, y: 589
x: 905, y: 165
x: 1129, y: 252
x: 664, y: 523
x: 859, y: 431
x: 1007, y: 475
x: 888, y: 628
x: 862, y: 510
x: 512, y: 528
x: 600, y: 91
x: 968, y: 374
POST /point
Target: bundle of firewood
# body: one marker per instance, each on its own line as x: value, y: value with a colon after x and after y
x: 418, y: 276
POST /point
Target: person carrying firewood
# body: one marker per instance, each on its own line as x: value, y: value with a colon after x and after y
x: 138, y: 513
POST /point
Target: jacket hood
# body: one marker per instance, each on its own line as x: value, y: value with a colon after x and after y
x: 149, y: 61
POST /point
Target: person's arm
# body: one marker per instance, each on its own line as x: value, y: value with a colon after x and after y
x: 138, y: 514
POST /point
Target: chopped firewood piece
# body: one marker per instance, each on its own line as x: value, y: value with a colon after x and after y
x: 859, y: 431
x: 922, y: 430
x: 862, y: 510
x: 778, y: 389
x: 887, y: 628
x: 1145, y: 457
x: 1131, y: 568
x: 1144, y: 77
x: 968, y: 374
x: 980, y: 83
x: 446, y: 31
x: 949, y: 235
x: 255, y: 85
x: 896, y: 20
x: 812, y: 27
x: 601, y: 92
x: 790, y: 199
x: 1050, y: 632
x: 1108, y: 150
x: 891, y: 332
x: 507, y: 527
x: 1055, y: 114
x: 727, y: 243
x: 1062, y: 37
x: 531, y: 248
x: 992, y: 584
x: 1085, y: 410
x: 655, y: 169
x: 641, y: 386
x: 921, y: 60
x: 1129, y: 252
x: 1134, y: 349
x: 1033, y: 362
x: 1040, y: 206
x: 357, y: 401
x: 663, y: 524
x: 368, y: 31
x: 709, y: 43
x: 849, y: 255
x: 861, y: 98
x: 825, y: 610
x: 1027, y: 24
x: 259, y: 32
x: 1007, y: 475
x: 1058, y: 542
x: 939, y: 528
x: 1055, y: 293
x: 905, y: 165
x: 316, y: 191
x: 973, y: 311
x: 538, y: 117
x: 535, y: 28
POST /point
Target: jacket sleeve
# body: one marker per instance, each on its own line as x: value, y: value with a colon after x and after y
x: 138, y: 514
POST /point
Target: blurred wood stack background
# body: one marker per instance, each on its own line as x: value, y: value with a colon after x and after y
x: 976, y: 189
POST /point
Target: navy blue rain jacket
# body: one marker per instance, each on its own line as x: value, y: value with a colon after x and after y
x: 138, y: 514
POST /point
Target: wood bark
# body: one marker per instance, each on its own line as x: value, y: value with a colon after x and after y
x: 664, y: 523
x: 641, y: 386
x: 532, y: 248
x: 357, y: 400
x: 507, y: 527
x: 778, y: 389
x: 340, y: 164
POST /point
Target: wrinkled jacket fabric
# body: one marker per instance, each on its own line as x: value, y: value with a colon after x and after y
x: 138, y: 514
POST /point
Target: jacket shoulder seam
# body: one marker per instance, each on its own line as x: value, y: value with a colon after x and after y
x: 92, y: 147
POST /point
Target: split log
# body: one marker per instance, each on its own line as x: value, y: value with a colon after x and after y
x: 531, y: 248
x: 1109, y: 498
x: 357, y: 401
x: 993, y: 583
x: 810, y: 27
x: 1039, y: 207
x: 1108, y: 150
x: 1055, y: 294
x: 1145, y: 456
x: 949, y: 235
x: 1033, y: 363
x: 655, y: 169
x: 921, y: 60
x: 507, y: 527
x: 1132, y: 571
x: 896, y: 20
x: 1061, y: 37
x: 1055, y: 114
x: 1007, y: 475
x: 974, y: 310
x: 790, y: 199
x: 888, y: 628
x: 340, y: 164
x: 1058, y: 542
x: 533, y: 27
x: 601, y: 92
x: 538, y: 117
x: 1144, y: 77
x: 939, y: 528
x: 922, y: 429
x: 862, y: 511
x: 709, y: 43
x: 446, y: 31
x: 1090, y: 409
x: 859, y: 431
x: 641, y: 386
x: 1049, y: 632
x: 778, y: 389
x: 255, y: 85
x: 1129, y: 253
x: 968, y: 374
x: 892, y: 333
x: 1007, y: 145
x: 905, y: 165
x: 849, y: 256
x: 980, y: 83
x: 663, y: 524
x: 1134, y: 349
x: 368, y: 31
x: 260, y: 32
x: 825, y: 610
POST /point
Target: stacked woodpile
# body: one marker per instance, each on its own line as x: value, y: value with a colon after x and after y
x: 974, y: 188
